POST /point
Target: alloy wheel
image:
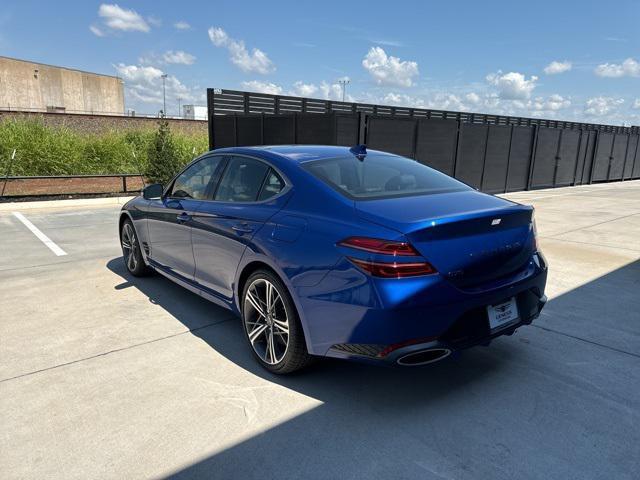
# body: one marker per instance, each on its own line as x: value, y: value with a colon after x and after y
x: 129, y: 246
x: 266, y: 321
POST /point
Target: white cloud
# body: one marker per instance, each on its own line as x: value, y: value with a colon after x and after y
x: 178, y: 57
x: 388, y: 70
x: 600, y: 106
x: 512, y: 85
x: 636, y: 104
x: 301, y: 89
x: 324, y: 90
x: 552, y: 103
x: 143, y: 85
x: 256, y: 61
x: 556, y: 67
x: 96, y: 31
x: 262, y: 87
x: 628, y: 68
x: 119, y: 18
x: 182, y: 25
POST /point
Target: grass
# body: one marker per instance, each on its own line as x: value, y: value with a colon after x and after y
x: 45, y: 150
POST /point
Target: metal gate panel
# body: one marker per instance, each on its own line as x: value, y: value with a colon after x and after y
x: 347, y: 130
x: 567, y: 157
x: 436, y: 143
x: 544, y: 164
x: 278, y: 129
x: 224, y: 128
x: 249, y: 130
x: 582, y: 151
x: 589, y: 156
x: 496, y: 160
x: 470, y: 159
x: 391, y: 134
x: 631, y: 156
x: 619, y: 154
x: 519, y: 158
x: 312, y: 129
x: 601, y: 158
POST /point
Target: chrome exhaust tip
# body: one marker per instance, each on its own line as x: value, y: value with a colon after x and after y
x: 423, y: 357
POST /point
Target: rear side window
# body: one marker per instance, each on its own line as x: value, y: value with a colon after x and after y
x: 381, y: 176
x: 273, y: 185
x: 242, y: 180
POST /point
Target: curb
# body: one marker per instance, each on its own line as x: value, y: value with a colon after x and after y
x: 76, y: 202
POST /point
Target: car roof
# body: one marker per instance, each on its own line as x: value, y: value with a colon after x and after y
x: 297, y: 153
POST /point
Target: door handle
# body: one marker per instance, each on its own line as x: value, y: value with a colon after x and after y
x: 242, y: 228
x: 183, y: 217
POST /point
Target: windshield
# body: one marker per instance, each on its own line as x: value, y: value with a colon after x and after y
x: 382, y: 176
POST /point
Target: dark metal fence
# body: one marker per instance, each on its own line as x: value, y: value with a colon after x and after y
x: 491, y: 152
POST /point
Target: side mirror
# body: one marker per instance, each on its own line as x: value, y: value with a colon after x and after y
x: 152, y: 191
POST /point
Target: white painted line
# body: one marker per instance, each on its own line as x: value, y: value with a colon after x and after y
x: 41, y: 236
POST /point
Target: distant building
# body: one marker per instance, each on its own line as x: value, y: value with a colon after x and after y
x: 33, y: 86
x: 194, y: 112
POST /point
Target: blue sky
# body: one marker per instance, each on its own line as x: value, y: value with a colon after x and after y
x: 562, y: 59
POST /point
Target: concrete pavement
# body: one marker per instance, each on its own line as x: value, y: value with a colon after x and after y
x: 107, y: 376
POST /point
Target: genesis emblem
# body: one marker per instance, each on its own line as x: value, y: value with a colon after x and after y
x: 496, y: 221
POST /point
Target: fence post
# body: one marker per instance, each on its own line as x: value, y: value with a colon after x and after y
x: 210, y: 115
x: 124, y: 183
x: 575, y: 170
x: 613, y: 144
x: 506, y: 177
x: 484, y: 156
x: 594, y: 155
x: 532, y: 160
x: 459, y: 134
x: 8, y: 171
x: 626, y: 154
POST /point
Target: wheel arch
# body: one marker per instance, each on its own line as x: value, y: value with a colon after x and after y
x: 260, y: 263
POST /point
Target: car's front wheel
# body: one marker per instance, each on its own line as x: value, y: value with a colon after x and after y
x: 131, y: 252
x: 271, y: 324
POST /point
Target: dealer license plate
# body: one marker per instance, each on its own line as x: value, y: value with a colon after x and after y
x: 503, y: 314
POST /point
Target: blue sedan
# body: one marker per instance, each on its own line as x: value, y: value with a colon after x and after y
x: 340, y: 252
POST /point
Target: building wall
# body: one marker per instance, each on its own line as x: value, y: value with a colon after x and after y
x: 34, y: 86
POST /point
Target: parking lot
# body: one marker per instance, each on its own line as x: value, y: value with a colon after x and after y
x: 103, y: 375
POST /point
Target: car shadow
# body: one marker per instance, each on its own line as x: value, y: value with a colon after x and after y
x: 507, y: 411
x: 388, y: 394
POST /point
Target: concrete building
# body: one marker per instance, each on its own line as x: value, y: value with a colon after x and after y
x: 38, y: 87
x: 194, y: 112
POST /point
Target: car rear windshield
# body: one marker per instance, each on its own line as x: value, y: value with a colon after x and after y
x: 381, y: 176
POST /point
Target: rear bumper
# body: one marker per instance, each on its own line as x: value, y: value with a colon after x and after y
x: 470, y: 330
x: 357, y: 317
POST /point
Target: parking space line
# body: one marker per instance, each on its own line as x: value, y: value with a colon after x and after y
x: 41, y: 236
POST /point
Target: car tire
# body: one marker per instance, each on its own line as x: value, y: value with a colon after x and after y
x: 266, y: 330
x: 131, y: 252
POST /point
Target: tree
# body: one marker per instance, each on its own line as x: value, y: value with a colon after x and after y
x: 163, y: 159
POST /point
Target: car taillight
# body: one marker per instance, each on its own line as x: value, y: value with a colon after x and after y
x: 384, y: 247
x: 393, y: 269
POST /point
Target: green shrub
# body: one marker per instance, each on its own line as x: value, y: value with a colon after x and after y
x: 44, y: 150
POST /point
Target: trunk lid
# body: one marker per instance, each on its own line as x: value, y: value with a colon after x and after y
x: 470, y: 237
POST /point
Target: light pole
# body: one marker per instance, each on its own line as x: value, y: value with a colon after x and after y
x: 164, y: 95
x: 343, y: 83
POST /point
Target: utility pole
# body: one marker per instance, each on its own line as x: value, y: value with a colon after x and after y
x: 179, y: 111
x: 343, y: 83
x: 164, y: 94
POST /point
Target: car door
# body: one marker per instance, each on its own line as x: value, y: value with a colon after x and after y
x: 170, y: 217
x: 249, y: 192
